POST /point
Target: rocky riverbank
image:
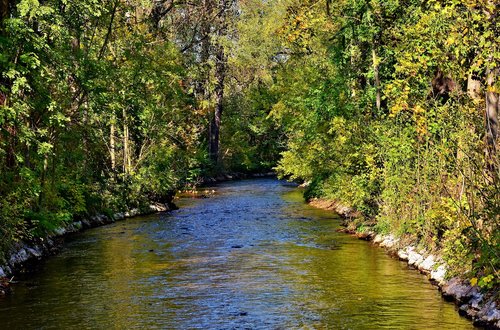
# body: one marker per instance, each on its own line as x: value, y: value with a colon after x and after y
x: 481, y: 307
x: 25, y: 254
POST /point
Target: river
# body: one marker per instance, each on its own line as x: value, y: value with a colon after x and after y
x: 252, y: 256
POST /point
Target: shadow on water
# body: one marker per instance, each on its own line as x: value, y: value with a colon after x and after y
x: 251, y: 256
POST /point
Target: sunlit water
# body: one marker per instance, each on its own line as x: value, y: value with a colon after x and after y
x: 253, y: 256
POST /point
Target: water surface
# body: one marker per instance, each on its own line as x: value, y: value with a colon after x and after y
x: 253, y: 256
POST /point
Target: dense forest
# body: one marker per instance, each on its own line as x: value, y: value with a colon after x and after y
x: 390, y: 107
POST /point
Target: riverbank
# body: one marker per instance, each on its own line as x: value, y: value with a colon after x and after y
x: 231, y: 176
x: 481, y: 307
x: 24, y: 254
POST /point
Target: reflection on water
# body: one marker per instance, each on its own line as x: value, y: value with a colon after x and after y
x: 254, y: 256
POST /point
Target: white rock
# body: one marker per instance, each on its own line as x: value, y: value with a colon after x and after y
x: 428, y: 263
x: 157, y: 207
x: 402, y: 254
x: 378, y: 238
x: 19, y: 257
x: 414, y: 258
x: 131, y: 213
x: 60, y: 231
x: 34, y: 252
x: 389, y: 241
x: 305, y: 184
x: 439, y: 274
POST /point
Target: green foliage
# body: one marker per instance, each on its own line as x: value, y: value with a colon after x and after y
x: 414, y: 162
x: 94, y: 114
x: 105, y: 105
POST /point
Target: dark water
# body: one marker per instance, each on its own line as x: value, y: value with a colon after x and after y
x: 252, y: 257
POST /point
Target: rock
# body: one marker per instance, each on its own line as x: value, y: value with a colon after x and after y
x: 19, y: 257
x: 489, y: 313
x: 103, y: 219
x: 305, y: 184
x: 402, y: 254
x: 2, y: 272
x: 378, y: 239
x: 439, y: 274
x: 458, y: 290
x: 364, y: 236
x: 428, y: 264
x: 77, y: 225
x: 60, y: 231
x: 346, y: 211
x: 476, y: 300
x: 464, y: 310
x: 158, y: 207
x: 86, y: 223
x: 389, y: 242
x: 35, y: 252
x: 131, y: 213
x: 414, y: 258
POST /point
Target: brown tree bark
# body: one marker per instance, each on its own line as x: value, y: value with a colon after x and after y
x: 220, y: 75
x: 378, y: 99
x: 112, y: 151
x: 492, y: 101
x: 126, y: 142
x: 5, y: 7
x: 491, y: 119
x: 473, y: 87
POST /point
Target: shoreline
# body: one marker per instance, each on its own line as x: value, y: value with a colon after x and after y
x: 25, y: 254
x: 233, y: 176
x: 481, y: 308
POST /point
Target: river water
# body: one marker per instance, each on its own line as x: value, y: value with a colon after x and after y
x: 253, y: 256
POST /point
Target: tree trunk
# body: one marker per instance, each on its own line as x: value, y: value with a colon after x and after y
x: 377, y: 79
x: 473, y: 87
x: 112, y: 152
x: 491, y: 119
x: 220, y: 74
x: 41, y: 196
x: 492, y: 103
x: 126, y: 154
x: 5, y: 7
